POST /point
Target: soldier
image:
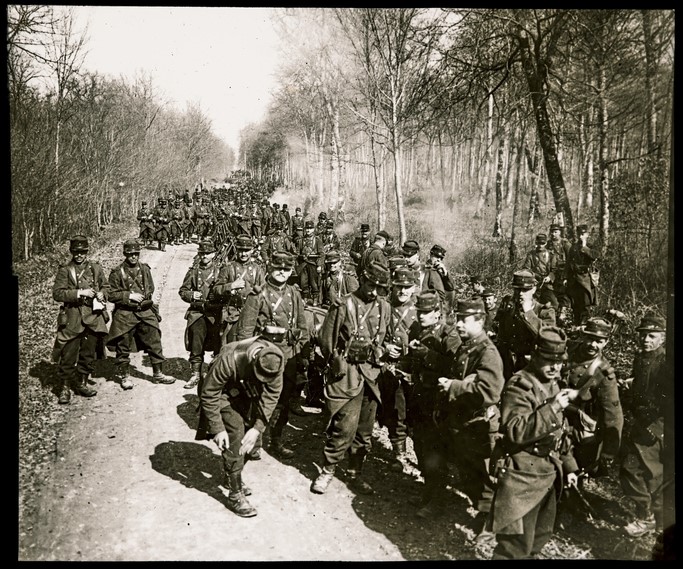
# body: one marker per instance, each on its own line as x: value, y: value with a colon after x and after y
x: 580, y: 286
x: 541, y: 263
x: 642, y: 468
x: 403, y: 327
x: 436, y: 270
x: 146, y: 220
x: 595, y: 415
x: 276, y: 241
x: 473, y: 417
x: 286, y: 219
x: 162, y: 219
x: 519, y: 318
x: 491, y: 305
x: 432, y: 356
x: 236, y: 281
x: 237, y: 398
x: 391, y: 250
x: 321, y: 226
x: 360, y: 244
x: 279, y: 304
x: 311, y: 260
x: 426, y: 276
x: 201, y: 218
x: 336, y: 281
x: 375, y: 253
x: 560, y: 246
x: 204, y: 314
x: 135, y: 320
x: 330, y: 239
x: 81, y: 287
x: 351, y: 339
x: 297, y: 225
x: 177, y: 223
x: 534, y: 454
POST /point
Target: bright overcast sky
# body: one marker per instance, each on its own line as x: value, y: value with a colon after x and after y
x: 221, y: 58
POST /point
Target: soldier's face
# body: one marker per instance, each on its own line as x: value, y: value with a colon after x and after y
x: 428, y: 319
x: 132, y: 258
x: 369, y: 290
x: 489, y: 302
x: 207, y: 257
x: 309, y: 231
x: 244, y: 254
x: 402, y: 293
x: 548, y: 370
x: 79, y: 256
x: 468, y: 326
x: 650, y: 341
x: 555, y: 234
x: 280, y: 275
x: 334, y: 268
x: 593, y: 345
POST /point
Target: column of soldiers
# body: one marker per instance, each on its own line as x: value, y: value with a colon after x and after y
x: 503, y: 394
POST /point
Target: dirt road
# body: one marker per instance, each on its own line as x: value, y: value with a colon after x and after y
x: 130, y: 483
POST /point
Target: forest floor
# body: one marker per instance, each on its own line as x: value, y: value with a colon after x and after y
x: 119, y: 476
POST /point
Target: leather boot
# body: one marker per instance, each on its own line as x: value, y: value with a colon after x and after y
x: 82, y: 388
x: 162, y: 246
x: 237, y: 501
x: 483, y: 535
x: 123, y: 377
x: 323, y: 480
x: 355, y: 471
x: 278, y: 449
x: 399, y: 449
x: 195, y: 377
x: 433, y: 505
x: 64, y: 394
x: 159, y: 377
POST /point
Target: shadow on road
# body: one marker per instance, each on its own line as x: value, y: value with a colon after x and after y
x: 191, y: 464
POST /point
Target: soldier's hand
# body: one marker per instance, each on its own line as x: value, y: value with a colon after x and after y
x: 100, y: 296
x: 238, y: 284
x: 196, y: 295
x: 222, y: 440
x: 445, y: 384
x: 136, y: 297
x: 86, y: 292
x: 625, y: 383
x: 393, y: 351
x: 572, y: 480
x: 564, y: 396
x: 249, y: 441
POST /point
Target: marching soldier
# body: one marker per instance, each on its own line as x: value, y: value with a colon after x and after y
x: 533, y: 459
x: 236, y: 281
x: 146, y: 219
x: 279, y: 304
x: 135, y: 320
x: 426, y: 276
x: 519, y: 318
x: 491, y: 305
x: 580, y: 286
x: 559, y: 247
x: 330, y: 239
x: 297, y: 224
x: 336, y: 281
x: 177, y: 223
x: 321, y: 226
x: 541, y: 262
x: 81, y: 287
x: 237, y: 398
x: 360, y: 244
x: 311, y: 260
x: 473, y: 417
x: 162, y: 219
x: 204, y: 314
x: 403, y: 327
x: 286, y: 219
x: 375, y: 253
x: 435, y: 271
x: 351, y: 339
x: 432, y: 356
x: 276, y: 240
x: 201, y: 218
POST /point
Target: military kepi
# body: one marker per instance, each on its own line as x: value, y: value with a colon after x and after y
x: 78, y: 243
x: 552, y: 343
x: 377, y: 274
x: 131, y: 246
x: 598, y: 327
x: 652, y: 322
x: 428, y: 301
x: 469, y: 306
x: 524, y: 280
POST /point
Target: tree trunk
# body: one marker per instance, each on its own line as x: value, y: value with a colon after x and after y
x: 498, y: 224
x: 602, y: 161
x: 650, y: 72
x: 512, y: 258
x: 483, y: 190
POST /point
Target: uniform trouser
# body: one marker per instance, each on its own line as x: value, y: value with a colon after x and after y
x: 146, y: 337
x: 587, y: 454
x: 291, y: 388
x: 162, y: 235
x: 309, y: 280
x: 641, y: 476
x: 538, y: 526
x: 147, y: 234
x: 470, y: 451
x: 202, y: 228
x: 392, y: 411
x: 233, y: 462
x: 175, y: 232
x: 203, y: 336
x: 430, y: 442
x: 581, y: 302
x: 350, y: 428
x: 547, y: 295
x: 563, y: 299
x: 78, y: 356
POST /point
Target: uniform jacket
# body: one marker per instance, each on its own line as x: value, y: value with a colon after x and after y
x: 76, y: 313
x: 202, y: 279
x: 534, y: 450
x: 357, y: 247
x: 648, y: 393
x: 477, y: 385
x: 127, y: 315
x: 297, y: 222
x: 542, y: 264
x: 338, y: 285
x: 579, y: 263
x: 233, y: 300
x: 517, y: 330
x: 330, y: 242
x: 282, y: 307
x: 403, y: 327
x: 600, y: 400
x: 310, y: 250
x: 373, y: 254
x: 146, y: 219
x: 352, y: 317
x: 277, y: 240
x: 162, y: 219
x: 430, y: 279
x: 223, y: 386
x: 560, y: 248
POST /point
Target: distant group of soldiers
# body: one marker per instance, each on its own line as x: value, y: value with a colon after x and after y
x: 523, y: 402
